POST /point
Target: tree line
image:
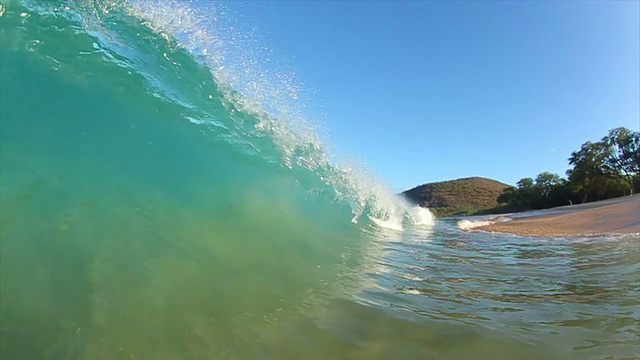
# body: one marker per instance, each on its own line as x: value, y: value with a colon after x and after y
x: 599, y: 170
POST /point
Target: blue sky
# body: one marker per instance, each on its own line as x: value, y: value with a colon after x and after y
x: 428, y: 91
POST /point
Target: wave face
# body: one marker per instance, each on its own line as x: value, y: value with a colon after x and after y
x: 157, y: 183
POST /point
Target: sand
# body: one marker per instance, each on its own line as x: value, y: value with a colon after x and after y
x: 618, y: 216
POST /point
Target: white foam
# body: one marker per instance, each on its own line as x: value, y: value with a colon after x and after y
x: 422, y: 216
x: 471, y: 224
x: 392, y: 224
x: 411, y: 291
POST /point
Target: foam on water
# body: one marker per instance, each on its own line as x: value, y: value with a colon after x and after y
x: 470, y: 224
x: 392, y: 224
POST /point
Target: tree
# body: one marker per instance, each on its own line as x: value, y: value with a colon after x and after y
x: 588, y: 171
x: 546, y: 182
x: 551, y: 190
x: 508, y: 196
x: 622, y: 160
x: 525, y: 183
x: 526, y: 195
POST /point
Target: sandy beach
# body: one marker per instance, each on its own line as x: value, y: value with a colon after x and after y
x: 615, y: 216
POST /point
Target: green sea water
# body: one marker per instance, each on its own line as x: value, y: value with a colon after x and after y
x: 163, y: 197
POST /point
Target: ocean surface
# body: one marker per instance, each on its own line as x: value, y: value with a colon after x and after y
x: 164, y: 196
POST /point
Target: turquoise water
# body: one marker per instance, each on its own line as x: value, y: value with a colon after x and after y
x: 163, y: 197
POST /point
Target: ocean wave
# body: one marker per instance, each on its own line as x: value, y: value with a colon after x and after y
x: 171, y: 44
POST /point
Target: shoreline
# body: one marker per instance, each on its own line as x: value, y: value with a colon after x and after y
x: 613, y: 216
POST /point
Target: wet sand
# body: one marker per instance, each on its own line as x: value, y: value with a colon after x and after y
x: 617, y: 216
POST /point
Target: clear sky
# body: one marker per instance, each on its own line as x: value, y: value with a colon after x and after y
x: 427, y: 91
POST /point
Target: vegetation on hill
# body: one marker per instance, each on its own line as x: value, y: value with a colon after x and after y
x: 457, y: 197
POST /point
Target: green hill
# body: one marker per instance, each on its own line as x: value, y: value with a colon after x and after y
x: 472, y: 195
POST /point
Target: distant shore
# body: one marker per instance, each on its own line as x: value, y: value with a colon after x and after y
x: 615, y: 216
